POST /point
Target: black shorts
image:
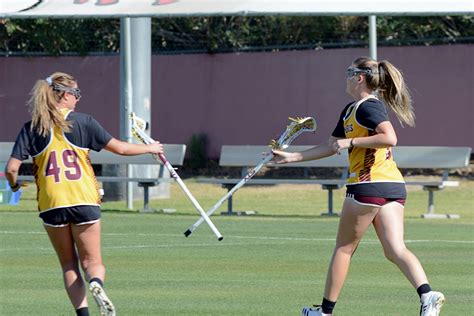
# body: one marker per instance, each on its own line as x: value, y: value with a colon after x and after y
x: 392, y: 190
x: 78, y: 215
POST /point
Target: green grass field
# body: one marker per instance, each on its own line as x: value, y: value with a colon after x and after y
x: 270, y: 264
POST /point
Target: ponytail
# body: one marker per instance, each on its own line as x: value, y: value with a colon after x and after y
x: 388, y: 81
x: 44, y: 101
x: 394, y: 91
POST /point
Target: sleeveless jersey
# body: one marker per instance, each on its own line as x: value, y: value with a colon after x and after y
x: 64, y: 174
x: 368, y: 165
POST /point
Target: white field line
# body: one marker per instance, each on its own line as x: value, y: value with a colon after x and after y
x: 135, y: 247
x: 251, y: 237
x: 263, y: 240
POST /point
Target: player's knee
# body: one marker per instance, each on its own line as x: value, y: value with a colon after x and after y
x: 348, y: 248
x: 91, y: 263
x: 70, y: 265
x: 395, y: 254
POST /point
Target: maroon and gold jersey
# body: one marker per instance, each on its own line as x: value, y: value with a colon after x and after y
x: 62, y: 168
x: 369, y: 166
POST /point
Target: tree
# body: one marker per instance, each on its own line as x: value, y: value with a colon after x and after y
x: 231, y: 33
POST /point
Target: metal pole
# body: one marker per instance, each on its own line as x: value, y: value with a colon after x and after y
x: 141, y: 72
x: 126, y: 104
x: 373, y: 36
x: 141, y: 86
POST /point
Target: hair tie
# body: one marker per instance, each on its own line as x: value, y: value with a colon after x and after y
x: 49, y: 80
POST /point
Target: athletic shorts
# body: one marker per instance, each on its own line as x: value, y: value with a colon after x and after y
x: 78, y: 215
x: 373, y: 201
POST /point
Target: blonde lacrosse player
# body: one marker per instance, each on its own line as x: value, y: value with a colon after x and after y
x: 375, y: 190
x: 59, y: 139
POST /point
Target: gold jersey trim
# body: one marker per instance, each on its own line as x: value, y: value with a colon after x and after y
x: 72, y: 205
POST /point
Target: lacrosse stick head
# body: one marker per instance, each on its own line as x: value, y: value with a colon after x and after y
x: 138, y: 126
x: 137, y: 122
x: 297, y: 126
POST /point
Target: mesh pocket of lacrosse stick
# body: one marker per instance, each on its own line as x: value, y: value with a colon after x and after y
x: 138, y: 129
x: 293, y: 130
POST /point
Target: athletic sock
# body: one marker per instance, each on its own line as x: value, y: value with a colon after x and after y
x: 423, y: 289
x: 327, y: 306
x: 83, y: 311
x: 97, y: 280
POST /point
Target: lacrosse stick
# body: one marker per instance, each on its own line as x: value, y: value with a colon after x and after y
x: 138, y: 129
x: 293, y: 130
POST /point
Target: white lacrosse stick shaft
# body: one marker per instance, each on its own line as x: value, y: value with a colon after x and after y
x: 204, y: 216
x: 283, y: 142
x: 147, y: 140
x: 241, y: 183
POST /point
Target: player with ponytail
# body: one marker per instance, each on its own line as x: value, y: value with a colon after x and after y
x: 59, y: 140
x: 375, y: 188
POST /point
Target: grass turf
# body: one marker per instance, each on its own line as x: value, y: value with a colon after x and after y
x: 272, y: 264
x: 264, y: 266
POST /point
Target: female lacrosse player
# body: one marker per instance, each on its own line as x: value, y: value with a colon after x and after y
x: 376, y: 190
x: 59, y: 141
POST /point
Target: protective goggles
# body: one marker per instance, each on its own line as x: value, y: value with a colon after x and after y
x: 76, y: 92
x: 352, y: 71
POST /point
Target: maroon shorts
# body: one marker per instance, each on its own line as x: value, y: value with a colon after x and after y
x: 373, y: 200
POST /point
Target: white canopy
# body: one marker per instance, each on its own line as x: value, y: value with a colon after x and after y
x: 167, y: 8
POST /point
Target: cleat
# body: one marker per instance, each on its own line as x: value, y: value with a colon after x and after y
x: 431, y: 303
x: 106, y: 308
x: 316, y: 310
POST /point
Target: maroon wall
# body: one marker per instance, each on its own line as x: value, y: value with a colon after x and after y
x: 246, y: 98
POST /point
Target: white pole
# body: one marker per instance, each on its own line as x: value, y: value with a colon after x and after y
x: 128, y: 96
x: 140, y: 40
x: 373, y: 36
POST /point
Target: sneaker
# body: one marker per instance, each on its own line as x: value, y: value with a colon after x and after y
x: 106, y: 307
x: 431, y: 303
x: 316, y: 310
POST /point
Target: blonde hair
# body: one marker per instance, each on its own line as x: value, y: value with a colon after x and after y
x: 388, y: 81
x: 44, y: 100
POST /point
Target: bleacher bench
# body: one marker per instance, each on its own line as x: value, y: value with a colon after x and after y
x: 407, y: 157
x: 174, y: 153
